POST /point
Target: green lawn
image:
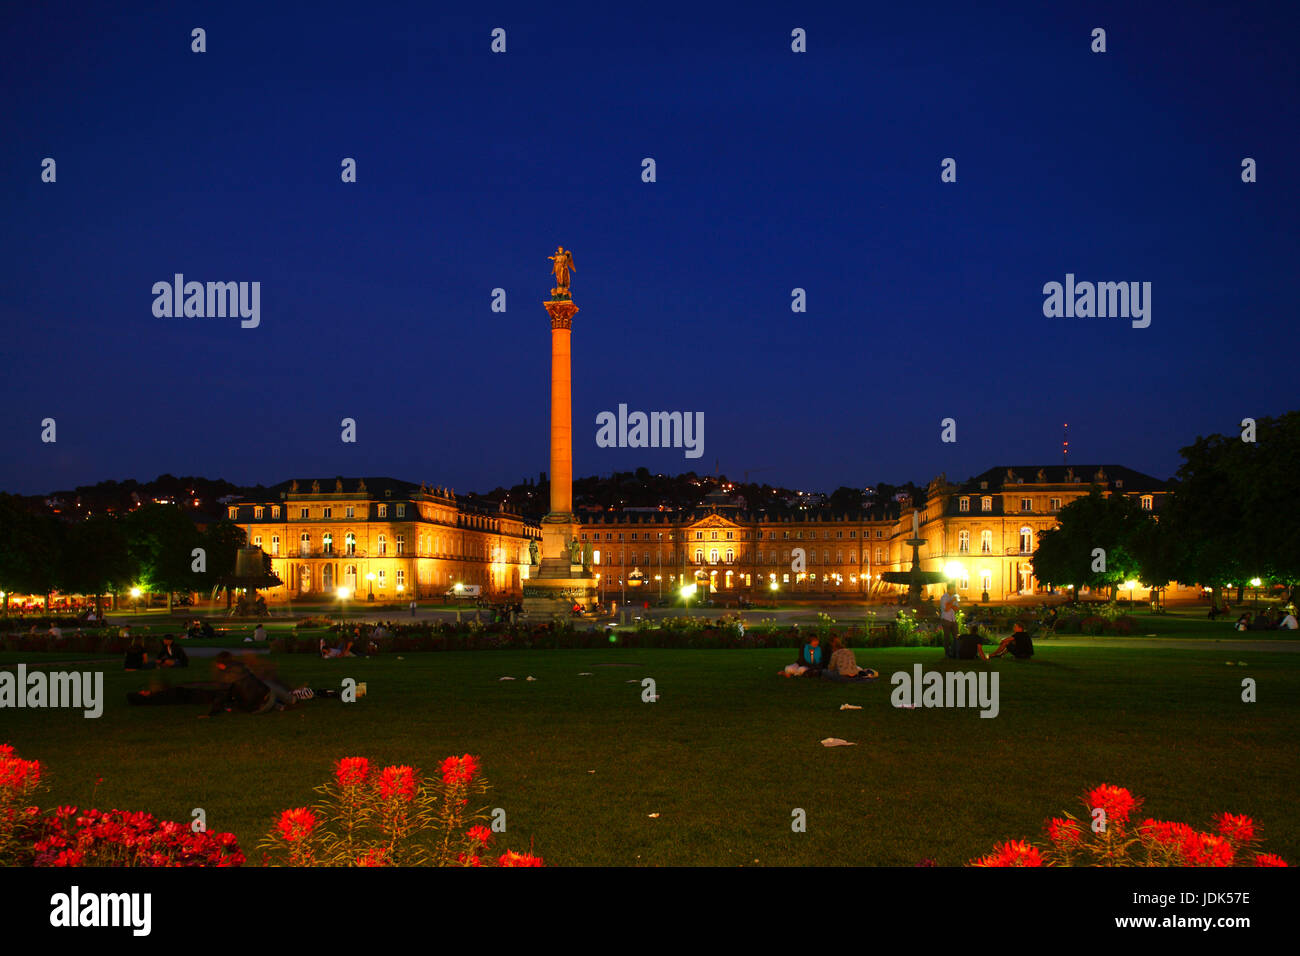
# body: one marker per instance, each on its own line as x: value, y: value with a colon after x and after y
x: 725, y: 755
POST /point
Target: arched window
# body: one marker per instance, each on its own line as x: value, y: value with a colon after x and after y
x: 731, y: 557
x: 327, y: 578
x: 713, y: 556
x: 304, y: 579
x: 349, y: 543
x: 1026, y: 540
x: 304, y: 545
x: 699, y: 556
x: 986, y: 542
x: 963, y: 542
x: 350, y: 577
x: 327, y: 545
x: 1148, y: 502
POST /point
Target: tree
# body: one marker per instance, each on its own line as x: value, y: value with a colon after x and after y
x: 1094, y: 543
x: 95, y: 559
x: 1233, y: 514
x: 30, y: 547
x: 161, y: 540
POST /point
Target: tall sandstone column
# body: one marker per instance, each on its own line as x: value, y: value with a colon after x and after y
x: 562, y: 314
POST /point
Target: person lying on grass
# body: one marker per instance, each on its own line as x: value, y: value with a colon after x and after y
x: 1018, y: 643
x: 844, y: 665
x: 810, y: 661
x: 251, y: 686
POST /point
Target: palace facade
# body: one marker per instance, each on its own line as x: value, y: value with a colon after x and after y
x: 398, y: 540
x: 381, y: 536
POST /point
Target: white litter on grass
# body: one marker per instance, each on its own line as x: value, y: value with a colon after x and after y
x: 530, y: 677
x: 654, y: 816
x: 505, y: 678
x: 836, y: 742
x: 401, y: 658
x: 591, y: 771
x: 849, y: 707
x: 586, y: 674
x: 631, y: 682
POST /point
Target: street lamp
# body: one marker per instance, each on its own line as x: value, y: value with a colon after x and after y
x: 135, y: 598
x: 370, y: 577
x: 343, y: 598
x: 1130, y: 584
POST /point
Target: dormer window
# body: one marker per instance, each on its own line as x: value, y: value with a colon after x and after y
x: 986, y: 503
x: 963, y: 504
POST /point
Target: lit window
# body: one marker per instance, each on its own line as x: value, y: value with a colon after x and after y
x: 986, y: 542
x: 258, y: 512
x: 880, y: 555
x: 963, y: 582
x: 1026, y: 540
x: 1148, y: 502
x: 1026, y: 504
x: 986, y: 580
x: 401, y: 579
x: 699, y: 556
x: 275, y: 544
x: 986, y: 503
x: 401, y: 510
x: 713, y: 556
x: 350, y: 577
x: 1054, y: 504
x: 381, y: 579
x: 327, y: 543
x: 963, y: 542
x: 963, y: 504
x: 350, y: 512
x: 275, y: 511
x: 304, y: 543
x: 303, y: 514
x: 731, y: 556
x: 381, y: 511
x: 399, y: 541
x: 233, y: 513
x: 699, y: 536
x: 350, y: 543
x: 327, y: 512
x: 257, y: 541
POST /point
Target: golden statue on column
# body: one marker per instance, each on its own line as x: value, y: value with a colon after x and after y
x: 562, y: 265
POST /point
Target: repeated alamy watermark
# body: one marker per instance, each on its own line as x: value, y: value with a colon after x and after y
x: 1086, y: 300
x: 653, y: 430
x: 210, y: 300
x: 75, y: 909
x: 946, y: 689
x: 78, y: 690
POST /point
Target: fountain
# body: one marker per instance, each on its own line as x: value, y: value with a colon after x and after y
x: 250, y: 575
x: 915, y: 579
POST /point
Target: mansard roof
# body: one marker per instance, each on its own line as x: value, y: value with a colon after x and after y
x: 1012, y: 477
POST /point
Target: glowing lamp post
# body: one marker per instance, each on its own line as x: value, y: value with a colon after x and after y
x: 343, y: 594
x: 370, y: 578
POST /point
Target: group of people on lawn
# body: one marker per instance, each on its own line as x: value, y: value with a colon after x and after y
x: 843, y: 666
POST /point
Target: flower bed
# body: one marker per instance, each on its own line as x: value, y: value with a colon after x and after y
x: 392, y: 817
x: 69, y: 837
x: 1107, y: 836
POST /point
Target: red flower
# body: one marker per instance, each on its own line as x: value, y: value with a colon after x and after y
x: 1116, y: 801
x: 1011, y: 853
x: 6, y: 750
x: 1064, y: 832
x: 397, y: 782
x: 511, y: 858
x: 351, y: 771
x: 297, y: 824
x: 463, y: 860
x: 373, y: 857
x: 480, y: 833
x: 19, y: 774
x: 1269, y: 859
x: 1165, y: 833
x: 1207, y: 849
x: 1237, y: 828
x: 459, y: 770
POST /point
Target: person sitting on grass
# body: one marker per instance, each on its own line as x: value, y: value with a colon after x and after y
x: 1018, y: 643
x: 1288, y: 623
x: 172, y: 655
x: 136, y: 658
x: 970, y: 645
x: 844, y: 666
x: 810, y: 661
x: 1243, y: 622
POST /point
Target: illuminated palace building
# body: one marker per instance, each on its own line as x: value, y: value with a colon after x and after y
x: 400, y: 540
x: 393, y: 539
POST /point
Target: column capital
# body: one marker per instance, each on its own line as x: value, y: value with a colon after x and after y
x: 562, y: 312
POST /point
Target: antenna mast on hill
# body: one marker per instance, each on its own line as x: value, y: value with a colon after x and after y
x: 1065, y: 443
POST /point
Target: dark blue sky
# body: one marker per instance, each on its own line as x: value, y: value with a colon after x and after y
x: 775, y: 170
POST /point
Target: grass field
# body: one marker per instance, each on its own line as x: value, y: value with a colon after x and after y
x: 724, y: 756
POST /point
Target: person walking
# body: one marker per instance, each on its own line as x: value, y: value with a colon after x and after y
x: 948, y: 618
